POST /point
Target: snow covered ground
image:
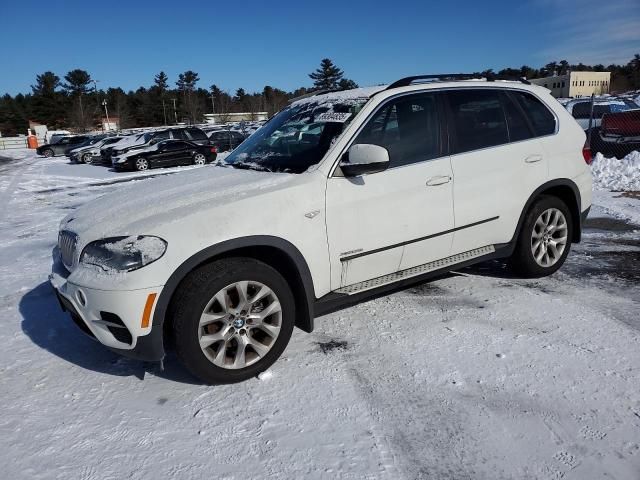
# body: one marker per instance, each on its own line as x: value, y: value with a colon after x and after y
x: 476, y: 375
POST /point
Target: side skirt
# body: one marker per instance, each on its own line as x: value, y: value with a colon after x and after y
x: 353, y: 294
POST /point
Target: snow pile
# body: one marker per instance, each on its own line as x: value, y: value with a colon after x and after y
x: 614, y: 174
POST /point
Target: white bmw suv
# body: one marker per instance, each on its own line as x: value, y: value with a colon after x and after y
x: 340, y: 196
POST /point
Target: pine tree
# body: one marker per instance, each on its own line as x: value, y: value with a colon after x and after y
x: 161, y: 82
x: 78, y: 82
x: 46, y: 101
x: 327, y: 76
x: 347, y: 84
x: 187, y: 84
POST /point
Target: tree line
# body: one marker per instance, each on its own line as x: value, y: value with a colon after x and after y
x: 77, y: 102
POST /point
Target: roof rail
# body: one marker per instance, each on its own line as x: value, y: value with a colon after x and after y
x: 443, y: 77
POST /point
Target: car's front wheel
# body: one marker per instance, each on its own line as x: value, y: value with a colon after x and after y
x: 232, y: 319
x: 142, y: 164
x: 545, y: 238
x: 87, y: 158
x: 48, y: 153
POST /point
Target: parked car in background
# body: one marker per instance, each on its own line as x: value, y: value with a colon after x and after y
x: 60, y: 146
x: 90, y: 140
x: 91, y: 153
x: 191, y: 134
x: 166, y: 153
x: 618, y: 135
x: 580, y: 109
x: 52, y: 136
x: 226, y: 140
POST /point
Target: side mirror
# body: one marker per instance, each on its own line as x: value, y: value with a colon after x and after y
x: 364, y: 158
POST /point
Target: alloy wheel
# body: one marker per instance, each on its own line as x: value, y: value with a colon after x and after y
x: 240, y: 324
x: 142, y: 164
x: 549, y: 237
x: 199, y: 159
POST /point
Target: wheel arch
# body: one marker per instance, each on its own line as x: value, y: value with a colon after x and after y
x: 566, y: 190
x: 274, y: 251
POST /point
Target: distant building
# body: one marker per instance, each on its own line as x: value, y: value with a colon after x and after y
x: 110, y: 124
x: 576, y: 84
x: 217, y: 118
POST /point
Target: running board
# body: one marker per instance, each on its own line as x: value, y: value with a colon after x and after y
x: 415, y: 271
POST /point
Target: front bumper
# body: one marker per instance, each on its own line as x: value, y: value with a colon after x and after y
x: 120, y: 320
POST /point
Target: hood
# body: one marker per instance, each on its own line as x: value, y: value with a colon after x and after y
x: 150, y: 205
x: 135, y: 150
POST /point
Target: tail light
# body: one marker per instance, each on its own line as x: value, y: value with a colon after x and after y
x: 214, y: 149
x: 586, y: 153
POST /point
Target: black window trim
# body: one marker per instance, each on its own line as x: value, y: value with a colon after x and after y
x: 447, y: 150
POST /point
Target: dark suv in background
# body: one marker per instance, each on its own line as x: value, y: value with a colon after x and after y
x: 61, y: 146
x: 226, y: 140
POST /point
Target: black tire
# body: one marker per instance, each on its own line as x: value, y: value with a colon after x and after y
x: 48, y: 153
x: 87, y: 158
x: 522, y: 261
x: 194, y: 294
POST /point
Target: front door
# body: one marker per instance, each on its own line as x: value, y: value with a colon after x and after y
x: 381, y: 223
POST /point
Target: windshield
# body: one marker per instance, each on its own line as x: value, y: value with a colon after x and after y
x: 297, y: 137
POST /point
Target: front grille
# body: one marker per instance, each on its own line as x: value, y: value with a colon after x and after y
x: 67, y: 244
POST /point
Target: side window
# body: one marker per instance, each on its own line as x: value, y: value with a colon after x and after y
x: 195, y: 134
x: 516, y: 121
x: 408, y: 128
x: 600, y: 110
x: 161, y: 136
x: 581, y: 110
x: 478, y: 119
x: 541, y: 118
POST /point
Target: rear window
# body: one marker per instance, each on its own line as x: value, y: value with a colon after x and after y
x: 478, y: 119
x: 541, y: 118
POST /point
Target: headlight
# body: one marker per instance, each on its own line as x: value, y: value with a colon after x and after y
x: 123, y: 254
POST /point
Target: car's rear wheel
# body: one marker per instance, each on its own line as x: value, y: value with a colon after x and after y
x: 232, y: 319
x: 48, y: 153
x: 87, y: 158
x: 199, y: 159
x: 142, y: 164
x: 545, y: 238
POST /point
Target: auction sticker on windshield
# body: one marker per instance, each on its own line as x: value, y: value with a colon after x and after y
x: 333, y: 117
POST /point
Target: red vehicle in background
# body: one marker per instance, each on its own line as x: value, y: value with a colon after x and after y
x: 618, y: 135
x: 621, y: 125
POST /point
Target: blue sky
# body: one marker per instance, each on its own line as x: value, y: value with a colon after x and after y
x: 250, y: 44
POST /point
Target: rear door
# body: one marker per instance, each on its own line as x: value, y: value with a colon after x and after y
x: 497, y: 164
x: 174, y: 153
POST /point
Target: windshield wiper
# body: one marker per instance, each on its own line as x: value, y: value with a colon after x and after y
x: 249, y: 166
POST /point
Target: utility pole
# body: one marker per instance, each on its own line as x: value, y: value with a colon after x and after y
x: 164, y: 112
x: 213, y: 104
x: 95, y: 90
x: 106, y: 112
x: 175, y: 112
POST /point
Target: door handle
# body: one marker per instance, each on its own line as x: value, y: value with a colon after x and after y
x: 533, y: 158
x: 438, y: 180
